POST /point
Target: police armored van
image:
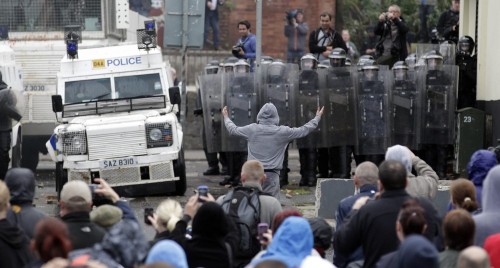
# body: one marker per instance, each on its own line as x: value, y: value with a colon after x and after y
x: 118, y: 114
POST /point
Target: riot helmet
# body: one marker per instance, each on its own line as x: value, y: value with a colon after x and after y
x: 370, y: 70
x: 348, y: 61
x: 411, y: 60
x: 212, y: 67
x: 465, y: 45
x: 308, y: 62
x: 337, y: 57
x: 433, y: 60
x: 228, y: 65
x: 241, y: 66
x: 266, y: 60
x: 400, y: 70
x: 363, y: 60
x: 276, y: 70
x: 447, y: 49
x: 324, y: 64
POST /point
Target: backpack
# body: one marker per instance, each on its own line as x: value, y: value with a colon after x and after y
x: 242, y: 205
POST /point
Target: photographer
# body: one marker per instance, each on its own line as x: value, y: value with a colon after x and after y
x: 245, y: 47
x: 324, y: 39
x: 448, y: 22
x: 392, y: 30
x: 296, y: 32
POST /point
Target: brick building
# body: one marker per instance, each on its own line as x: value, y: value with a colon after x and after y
x: 274, y: 41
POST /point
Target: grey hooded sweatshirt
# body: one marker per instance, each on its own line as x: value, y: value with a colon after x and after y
x: 487, y: 222
x: 267, y: 140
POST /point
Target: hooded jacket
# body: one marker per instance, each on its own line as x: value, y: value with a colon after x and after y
x: 21, y: 184
x: 479, y: 165
x: 267, y: 140
x: 487, y: 221
x: 14, y: 246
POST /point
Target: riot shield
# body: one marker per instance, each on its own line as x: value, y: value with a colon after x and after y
x: 340, y: 106
x: 279, y: 89
x: 372, y: 117
x: 241, y: 99
x: 438, y: 107
x: 11, y: 107
x: 405, y: 107
x: 212, y: 101
x: 446, y: 50
x: 307, y: 103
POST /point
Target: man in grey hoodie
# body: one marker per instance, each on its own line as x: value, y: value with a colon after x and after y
x: 267, y: 141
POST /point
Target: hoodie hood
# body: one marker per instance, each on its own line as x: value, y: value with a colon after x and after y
x: 169, y: 252
x: 21, y: 184
x: 268, y: 115
x: 479, y: 165
x: 416, y: 251
x: 292, y: 243
x: 12, y: 235
x: 210, y: 221
x: 491, y: 198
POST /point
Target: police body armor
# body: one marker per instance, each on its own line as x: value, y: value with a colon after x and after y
x: 405, y: 106
x: 308, y: 101
x: 241, y: 99
x: 373, y: 120
x: 438, y: 105
x: 340, y: 106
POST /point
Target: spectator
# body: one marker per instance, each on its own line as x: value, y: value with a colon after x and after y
x: 212, y: 21
x: 245, y: 48
x: 415, y: 252
x: 463, y: 195
x: 168, y: 213
x: 425, y: 183
x: 296, y: 31
x: 21, y: 183
x: 14, y: 245
x: 106, y: 215
x: 392, y: 30
x: 448, y: 22
x: 51, y: 240
x: 480, y: 163
x: 75, y: 206
x: 365, y: 184
x: 473, y: 257
x: 267, y: 141
x: 492, y: 246
x: 458, y: 228
x: 168, y: 252
x: 352, y: 50
x: 370, y: 42
x: 322, y: 234
x: 281, y: 216
x: 324, y: 39
x: 425, y: 8
x: 487, y: 221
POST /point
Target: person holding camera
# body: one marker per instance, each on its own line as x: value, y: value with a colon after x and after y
x: 324, y: 39
x: 392, y: 29
x: 245, y: 48
x: 296, y: 31
x: 448, y: 22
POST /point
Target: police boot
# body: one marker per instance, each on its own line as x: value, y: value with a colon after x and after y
x: 284, y: 177
x: 323, y: 156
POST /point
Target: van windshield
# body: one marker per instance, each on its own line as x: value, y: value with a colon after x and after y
x: 138, y: 85
x: 87, y: 90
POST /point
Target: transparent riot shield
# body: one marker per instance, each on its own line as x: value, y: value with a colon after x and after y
x: 307, y: 103
x: 11, y: 107
x: 340, y: 109
x: 241, y: 99
x: 438, y: 107
x: 212, y: 101
x: 405, y: 107
x: 372, y: 117
x: 446, y: 50
x: 279, y: 88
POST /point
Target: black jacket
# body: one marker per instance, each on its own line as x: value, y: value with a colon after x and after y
x: 337, y: 41
x: 82, y: 232
x: 446, y: 21
x: 14, y: 246
x: 382, y: 29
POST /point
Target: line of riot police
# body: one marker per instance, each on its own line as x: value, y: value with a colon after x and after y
x: 367, y: 108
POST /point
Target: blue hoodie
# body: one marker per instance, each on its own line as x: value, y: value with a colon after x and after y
x: 479, y: 165
x: 267, y: 140
x: 292, y: 243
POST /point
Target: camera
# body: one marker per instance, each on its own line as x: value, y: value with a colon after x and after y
x: 290, y: 15
x: 148, y: 212
x: 236, y: 50
x: 202, y: 191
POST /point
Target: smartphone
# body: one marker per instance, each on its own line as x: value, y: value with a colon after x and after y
x: 262, y: 229
x: 148, y: 212
x: 202, y: 191
x: 92, y: 188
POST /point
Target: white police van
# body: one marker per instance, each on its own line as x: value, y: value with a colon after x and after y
x: 119, y: 121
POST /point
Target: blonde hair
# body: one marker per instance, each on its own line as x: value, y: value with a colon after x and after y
x: 4, y: 197
x: 253, y: 169
x: 169, y: 212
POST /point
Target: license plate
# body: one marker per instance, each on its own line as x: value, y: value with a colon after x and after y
x: 118, y: 163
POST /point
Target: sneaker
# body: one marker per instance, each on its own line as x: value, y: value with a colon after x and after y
x: 211, y: 171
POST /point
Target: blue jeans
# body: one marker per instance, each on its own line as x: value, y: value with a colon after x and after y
x: 212, y: 21
x: 293, y: 56
x: 423, y: 12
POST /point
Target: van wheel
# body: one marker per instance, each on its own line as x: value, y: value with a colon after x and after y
x: 180, y: 171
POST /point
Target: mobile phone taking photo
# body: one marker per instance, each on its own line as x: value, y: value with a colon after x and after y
x: 148, y: 212
x: 202, y: 191
x: 262, y: 229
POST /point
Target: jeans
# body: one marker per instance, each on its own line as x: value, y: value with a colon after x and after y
x: 423, y: 12
x: 293, y: 56
x: 212, y: 21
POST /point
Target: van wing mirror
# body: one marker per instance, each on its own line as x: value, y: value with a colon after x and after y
x: 175, y: 95
x: 57, y: 104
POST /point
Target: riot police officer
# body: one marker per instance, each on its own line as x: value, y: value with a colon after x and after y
x: 467, y: 72
x: 308, y: 99
x: 8, y: 112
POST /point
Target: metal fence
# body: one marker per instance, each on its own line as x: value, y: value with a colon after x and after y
x: 49, y: 15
